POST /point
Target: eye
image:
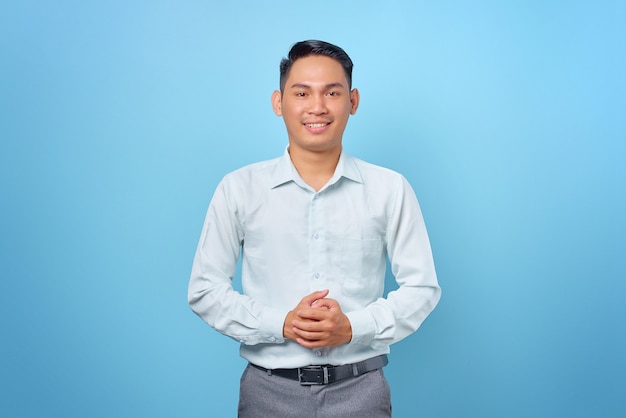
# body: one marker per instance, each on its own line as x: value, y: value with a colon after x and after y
x: 333, y: 93
x: 300, y: 94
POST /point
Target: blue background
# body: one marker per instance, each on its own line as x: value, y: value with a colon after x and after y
x: 118, y: 118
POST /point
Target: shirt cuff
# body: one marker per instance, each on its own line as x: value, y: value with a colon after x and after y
x: 272, y: 322
x: 363, y: 327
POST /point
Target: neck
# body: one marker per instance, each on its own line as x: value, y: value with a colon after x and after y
x: 315, y: 168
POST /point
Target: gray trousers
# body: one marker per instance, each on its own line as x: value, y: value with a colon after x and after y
x: 265, y: 396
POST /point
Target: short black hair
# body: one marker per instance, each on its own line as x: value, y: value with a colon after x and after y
x: 315, y: 47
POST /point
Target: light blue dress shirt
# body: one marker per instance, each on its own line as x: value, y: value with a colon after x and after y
x: 294, y: 240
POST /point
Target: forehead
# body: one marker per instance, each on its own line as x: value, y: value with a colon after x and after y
x: 316, y: 69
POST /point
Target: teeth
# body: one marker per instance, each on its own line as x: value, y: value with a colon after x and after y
x: 316, y: 125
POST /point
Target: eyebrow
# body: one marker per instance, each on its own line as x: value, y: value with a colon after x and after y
x: 306, y: 86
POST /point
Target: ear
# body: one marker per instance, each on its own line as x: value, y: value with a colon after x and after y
x: 276, y: 102
x: 354, y: 101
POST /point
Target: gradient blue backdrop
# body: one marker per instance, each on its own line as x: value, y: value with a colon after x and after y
x: 118, y: 118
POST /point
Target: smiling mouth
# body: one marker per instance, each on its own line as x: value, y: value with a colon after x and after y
x: 316, y: 125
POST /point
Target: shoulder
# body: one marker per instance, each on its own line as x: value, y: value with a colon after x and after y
x: 254, y: 168
x: 252, y: 173
x: 383, y: 184
x: 376, y: 174
x: 245, y: 185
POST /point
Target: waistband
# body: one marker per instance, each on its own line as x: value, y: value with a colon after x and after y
x: 325, y: 374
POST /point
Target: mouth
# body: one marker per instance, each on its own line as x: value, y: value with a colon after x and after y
x: 316, y: 125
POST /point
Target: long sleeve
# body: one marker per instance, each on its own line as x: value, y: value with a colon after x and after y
x: 390, y: 319
x: 211, y: 294
x: 293, y: 240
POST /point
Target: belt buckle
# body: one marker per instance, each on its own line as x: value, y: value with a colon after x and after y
x: 313, y: 375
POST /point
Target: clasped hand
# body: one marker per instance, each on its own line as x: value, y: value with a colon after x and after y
x: 317, y: 322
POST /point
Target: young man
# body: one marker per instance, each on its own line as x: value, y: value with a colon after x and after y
x: 315, y: 227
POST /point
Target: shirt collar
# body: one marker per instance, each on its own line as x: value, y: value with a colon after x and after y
x: 286, y: 172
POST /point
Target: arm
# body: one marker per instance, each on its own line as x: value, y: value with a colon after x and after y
x: 211, y: 295
x: 321, y: 322
x: 388, y: 320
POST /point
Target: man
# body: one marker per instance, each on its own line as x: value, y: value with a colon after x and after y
x: 314, y: 228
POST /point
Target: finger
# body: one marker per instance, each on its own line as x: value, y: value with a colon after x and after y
x: 325, y: 303
x: 313, y: 314
x: 308, y: 335
x: 310, y: 344
x: 309, y: 299
x: 308, y: 325
x: 316, y: 342
x: 316, y: 305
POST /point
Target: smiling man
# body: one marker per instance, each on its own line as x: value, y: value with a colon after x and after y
x: 314, y: 229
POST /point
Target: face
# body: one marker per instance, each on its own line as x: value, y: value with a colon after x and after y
x: 315, y: 104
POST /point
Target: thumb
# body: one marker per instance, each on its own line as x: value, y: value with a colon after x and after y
x: 309, y: 299
x: 325, y: 303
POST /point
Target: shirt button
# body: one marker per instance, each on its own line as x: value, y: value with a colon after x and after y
x: 318, y: 353
x: 316, y: 236
x: 272, y: 339
x: 316, y: 275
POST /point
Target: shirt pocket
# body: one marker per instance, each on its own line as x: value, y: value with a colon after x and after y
x: 361, y: 261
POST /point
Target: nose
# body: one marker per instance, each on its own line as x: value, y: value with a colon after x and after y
x: 317, y: 105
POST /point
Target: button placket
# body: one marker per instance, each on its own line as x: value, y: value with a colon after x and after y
x: 316, y: 243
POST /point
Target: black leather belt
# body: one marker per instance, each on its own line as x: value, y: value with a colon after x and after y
x: 325, y: 374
